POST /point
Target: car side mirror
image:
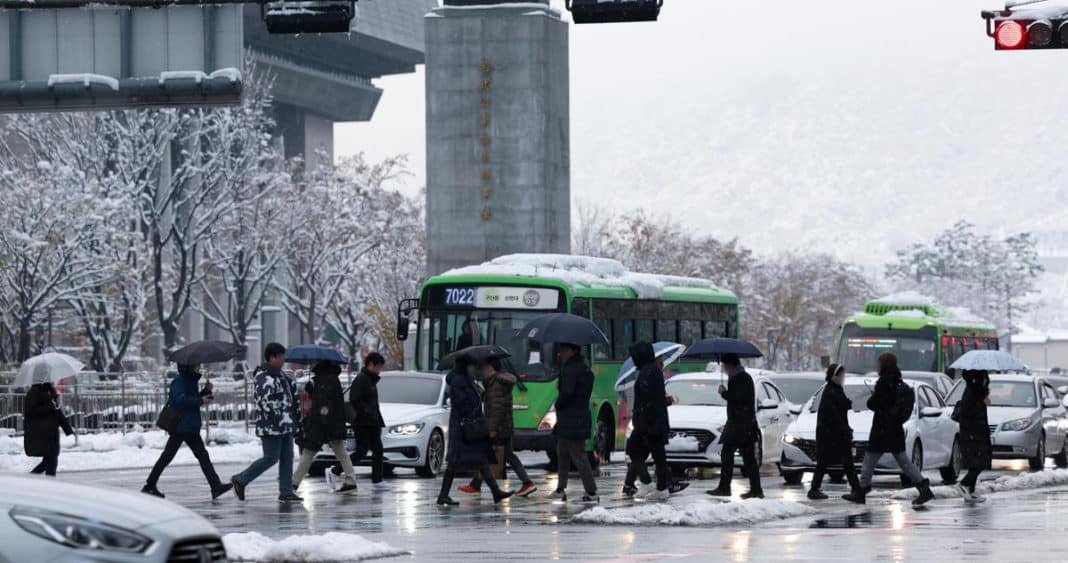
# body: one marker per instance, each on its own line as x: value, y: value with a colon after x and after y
x: 1050, y: 404
x: 796, y: 409
x: 931, y: 412
x: 768, y: 404
x: 1063, y: 389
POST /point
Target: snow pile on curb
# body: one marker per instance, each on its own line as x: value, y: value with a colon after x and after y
x: 332, y: 546
x: 705, y: 513
x: 1021, y: 482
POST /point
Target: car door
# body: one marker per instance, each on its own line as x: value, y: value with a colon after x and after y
x: 935, y: 450
x: 775, y: 419
x: 1052, y: 418
x: 946, y: 426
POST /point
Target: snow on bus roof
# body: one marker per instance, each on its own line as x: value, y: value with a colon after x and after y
x: 582, y: 270
x: 905, y: 298
x: 952, y: 316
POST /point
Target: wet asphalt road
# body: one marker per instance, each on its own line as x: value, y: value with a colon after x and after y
x: 1021, y: 526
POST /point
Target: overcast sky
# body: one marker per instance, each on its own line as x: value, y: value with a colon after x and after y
x: 847, y: 126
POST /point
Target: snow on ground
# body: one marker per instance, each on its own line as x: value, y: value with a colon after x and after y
x: 332, y: 546
x: 136, y: 449
x: 702, y: 513
x: 1021, y: 482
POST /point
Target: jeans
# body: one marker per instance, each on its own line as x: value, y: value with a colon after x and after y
x: 512, y: 460
x: 307, y: 457
x: 276, y: 449
x: 847, y: 466
x: 750, y: 466
x: 568, y: 451
x: 196, y: 444
x: 903, y: 461
x: 971, y: 478
x: 368, y: 440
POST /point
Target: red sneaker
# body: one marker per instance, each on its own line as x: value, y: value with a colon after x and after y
x: 469, y: 490
x: 526, y: 489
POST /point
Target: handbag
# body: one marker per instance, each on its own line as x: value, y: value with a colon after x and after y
x: 475, y: 430
x: 169, y: 418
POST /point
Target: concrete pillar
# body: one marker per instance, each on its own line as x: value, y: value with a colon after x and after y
x: 304, y: 134
x: 498, y: 132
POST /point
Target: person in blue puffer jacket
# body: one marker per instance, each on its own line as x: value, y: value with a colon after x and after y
x: 187, y: 397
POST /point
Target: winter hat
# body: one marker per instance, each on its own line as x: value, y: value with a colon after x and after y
x: 888, y: 365
x: 833, y: 370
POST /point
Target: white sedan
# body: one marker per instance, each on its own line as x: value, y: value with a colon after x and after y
x: 415, y: 408
x: 930, y: 434
x: 698, y: 417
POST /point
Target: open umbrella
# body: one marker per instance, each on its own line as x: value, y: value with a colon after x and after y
x: 717, y: 347
x: 478, y: 353
x: 50, y: 367
x: 310, y: 353
x: 207, y: 352
x: 668, y: 351
x: 989, y: 360
x: 564, y: 327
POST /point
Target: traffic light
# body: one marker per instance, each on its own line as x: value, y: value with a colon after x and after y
x: 1034, y: 28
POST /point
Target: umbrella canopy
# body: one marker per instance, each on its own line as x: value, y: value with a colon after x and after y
x: 477, y: 353
x: 668, y: 351
x: 310, y: 353
x: 716, y: 348
x: 47, y: 368
x: 207, y: 352
x: 989, y: 360
x: 566, y: 328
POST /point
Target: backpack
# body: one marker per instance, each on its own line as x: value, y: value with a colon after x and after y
x: 906, y: 400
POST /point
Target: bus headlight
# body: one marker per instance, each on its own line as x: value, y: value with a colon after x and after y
x: 548, y: 422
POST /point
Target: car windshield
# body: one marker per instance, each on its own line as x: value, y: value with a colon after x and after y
x: 798, y: 390
x: 448, y: 331
x: 858, y: 393
x: 859, y: 349
x: 408, y: 390
x: 1003, y: 394
x: 704, y: 392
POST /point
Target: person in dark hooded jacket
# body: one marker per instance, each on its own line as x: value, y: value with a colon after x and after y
x: 325, y: 424
x: 834, y: 437
x: 43, y: 420
x: 573, y: 422
x: 741, y: 431
x: 887, y: 436
x: 187, y: 398
x: 970, y: 412
x: 651, y: 425
x: 465, y: 406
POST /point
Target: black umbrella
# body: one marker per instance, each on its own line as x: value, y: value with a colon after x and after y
x: 208, y: 351
x: 476, y: 353
x: 716, y: 348
x: 564, y: 327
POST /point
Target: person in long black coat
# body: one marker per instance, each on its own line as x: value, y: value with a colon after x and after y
x: 43, y: 420
x: 465, y: 406
x: 650, y: 415
x: 573, y: 422
x: 834, y: 437
x: 741, y: 431
x: 970, y: 412
x: 325, y: 424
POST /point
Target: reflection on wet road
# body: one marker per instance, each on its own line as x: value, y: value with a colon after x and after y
x: 1009, y: 527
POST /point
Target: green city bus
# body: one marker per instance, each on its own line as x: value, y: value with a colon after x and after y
x: 924, y: 336
x: 490, y: 303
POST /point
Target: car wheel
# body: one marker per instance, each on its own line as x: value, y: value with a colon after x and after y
x: 951, y: 471
x: 917, y: 460
x: 793, y: 477
x: 435, y: 455
x: 1038, y: 463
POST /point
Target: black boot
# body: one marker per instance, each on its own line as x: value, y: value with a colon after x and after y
x: 816, y: 494
x: 447, y: 501
x: 925, y: 492
x: 152, y: 490
x: 856, y: 495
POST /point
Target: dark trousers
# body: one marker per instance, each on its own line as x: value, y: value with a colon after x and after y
x: 971, y: 478
x: 750, y: 466
x: 48, y: 465
x: 574, y: 451
x: 368, y: 440
x: 195, y: 443
x: 642, y: 448
x: 637, y: 471
x: 848, y: 468
x: 450, y: 475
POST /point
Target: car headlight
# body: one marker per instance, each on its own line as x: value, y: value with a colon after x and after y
x: 79, y: 533
x: 548, y: 422
x: 406, y: 429
x: 1016, y: 425
x: 790, y: 439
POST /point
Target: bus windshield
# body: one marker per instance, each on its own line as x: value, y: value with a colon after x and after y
x: 859, y: 348
x: 451, y: 330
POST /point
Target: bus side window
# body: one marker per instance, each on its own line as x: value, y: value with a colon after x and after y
x: 643, y: 330
x: 667, y: 331
x: 604, y: 352
x: 715, y: 328
x: 581, y: 307
x: 689, y: 332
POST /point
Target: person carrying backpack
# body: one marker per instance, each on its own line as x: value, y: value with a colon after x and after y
x: 892, y: 402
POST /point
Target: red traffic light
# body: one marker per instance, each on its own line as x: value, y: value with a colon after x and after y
x: 1009, y: 35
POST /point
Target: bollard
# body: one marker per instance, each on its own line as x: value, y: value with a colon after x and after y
x: 122, y: 400
x: 77, y: 412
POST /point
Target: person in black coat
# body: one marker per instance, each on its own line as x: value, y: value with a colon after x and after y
x: 465, y: 408
x: 834, y: 437
x: 741, y: 431
x: 368, y: 425
x: 887, y: 436
x: 651, y: 424
x: 43, y: 419
x: 573, y: 422
x: 970, y: 412
x: 325, y: 424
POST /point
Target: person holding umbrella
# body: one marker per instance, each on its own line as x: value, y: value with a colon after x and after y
x: 741, y: 431
x: 325, y: 424
x: 573, y: 422
x: 43, y: 420
x: 834, y: 437
x: 970, y: 412
x: 651, y: 426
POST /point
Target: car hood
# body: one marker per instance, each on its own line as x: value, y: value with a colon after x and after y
x: 696, y: 416
x: 403, y: 413
x: 805, y: 425
x: 118, y: 507
x: 997, y: 415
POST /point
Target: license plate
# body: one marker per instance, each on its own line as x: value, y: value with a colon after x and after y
x: 854, y: 452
